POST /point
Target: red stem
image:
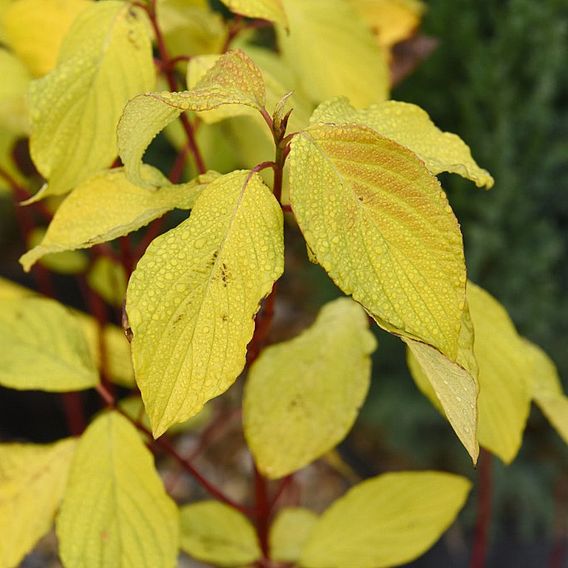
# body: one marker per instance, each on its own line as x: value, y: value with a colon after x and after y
x: 262, y: 511
x: 484, y: 506
x: 167, y: 447
x: 169, y: 73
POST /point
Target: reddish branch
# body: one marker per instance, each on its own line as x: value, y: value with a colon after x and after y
x: 483, y: 520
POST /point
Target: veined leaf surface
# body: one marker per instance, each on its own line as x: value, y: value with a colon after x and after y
x: 193, y: 296
x: 272, y: 10
x: 32, y: 482
x: 505, y: 375
x: 333, y: 52
x: 385, y: 521
x: 380, y: 225
x: 289, y: 533
x: 34, y: 29
x: 302, y: 396
x: 217, y: 534
x: 107, y: 206
x: 43, y: 347
x: 234, y: 79
x: 131, y: 522
x: 410, y: 126
x: 105, y: 59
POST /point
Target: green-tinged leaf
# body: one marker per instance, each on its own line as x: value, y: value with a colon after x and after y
x: 117, y: 348
x: 234, y: 79
x: 302, y: 396
x: 131, y: 521
x: 451, y: 386
x: 105, y: 60
x: 391, y: 20
x: 107, y: 278
x: 289, y: 533
x: 193, y: 296
x: 380, y: 225
x: 217, y: 534
x: 410, y: 126
x: 13, y: 88
x: 32, y: 482
x: 272, y: 10
x: 505, y: 378
x: 7, y: 142
x: 34, y: 29
x: 43, y: 347
x: 333, y: 52
x: 107, y: 206
x: 66, y: 262
x: 385, y: 521
x: 191, y: 27
x: 547, y: 389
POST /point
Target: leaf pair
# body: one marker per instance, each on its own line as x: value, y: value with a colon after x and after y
x: 384, y: 521
x: 108, y: 473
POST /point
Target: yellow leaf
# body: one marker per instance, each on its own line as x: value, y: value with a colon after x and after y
x: 380, y: 225
x: 217, y: 534
x: 410, y: 126
x: 451, y: 386
x: 7, y: 142
x: 302, y: 396
x: 119, y: 366
x: 504, y: 375
x: 191, y: 27
x: 272, y: 10
x: 13, y: 89
x: 234, y: 79
x: 193, y: 296
x: 385, y: 521
x: 547, y: 389
x: 34, y: 29
x: 333, y: 52
x: 289, y: 533
x: 32, y: 482
x: 391, y: 20
x: 105, y: 60
x: 66, y: 262
x: 43, y: 347
x: 108, y: 279
x: 130, y: 521
x: 107, y: 206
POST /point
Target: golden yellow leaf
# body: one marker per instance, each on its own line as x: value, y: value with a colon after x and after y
x: 272, y: 10
x: 504, y: 375
x: 43, y: 347
x: 547, y: 389
x: 193, y: 296
x: 218, y: 534
x: 105, y: 60
x: 191, y: 27
x: 32, y: 482
x: 289, y: 532
x: 380, y: 225
x: 234, y: 79
x: 107, y: 206
x: 302, y: 396
x: 107, y: 278
x: 410, y: 126
x: 385, y: 521
x: 13, y: 89
x: 333, y: 52
x: 131, y: 521
x: 35, y: 29
x: 391, y: 20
